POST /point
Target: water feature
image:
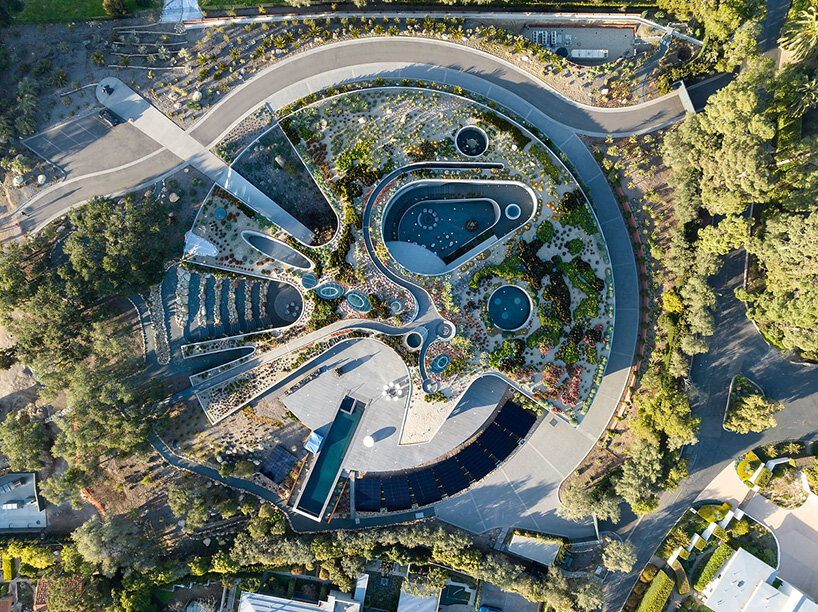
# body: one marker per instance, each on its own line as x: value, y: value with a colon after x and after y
x: 277, y: 250
x: 440, y: 363
x: 471, y: 141
x: 509, y: 307
x: 327, y: 466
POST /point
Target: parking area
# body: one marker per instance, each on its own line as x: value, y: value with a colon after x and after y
x: 87, y: 144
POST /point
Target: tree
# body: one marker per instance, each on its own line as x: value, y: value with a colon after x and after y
x: 731, y: 233
x: 119, y: 247
x: 578, y: 503
x: 114, y: 8
x: 786, y: 306
x: 68, y: 594
x: 640, y: 476
x: 664, y: 417
x: 619, y: 556
x: 754, y: 413
x: 588, y: 595
x: 800, y: 35
x: 720, y: 157
x: 184, y: 501
x: 113, y: 543
x: 24, y: 442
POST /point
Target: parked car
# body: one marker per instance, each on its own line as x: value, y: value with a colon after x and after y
x: 108, y: 117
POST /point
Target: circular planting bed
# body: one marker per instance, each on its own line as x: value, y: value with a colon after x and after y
x: 509, y: 307
x: 471, y: 141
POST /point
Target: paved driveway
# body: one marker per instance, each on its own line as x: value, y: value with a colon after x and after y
x: 505, y: 601
x: 87, y: 144
x: 797, y: 534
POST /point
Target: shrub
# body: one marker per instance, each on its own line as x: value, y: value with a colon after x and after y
x: 713, y: 513
x: 545, y: 231
x: 657, y: 594
x: 748, y: 465
x: 713, y: 565
x: 721, y: 533
x: 682, y: 583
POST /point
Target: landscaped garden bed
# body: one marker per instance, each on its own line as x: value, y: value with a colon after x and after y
x: 748, y: 410
x: 782, y: 471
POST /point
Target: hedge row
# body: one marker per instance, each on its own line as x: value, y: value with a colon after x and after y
x: 714, y: 564
x: 657, y: 594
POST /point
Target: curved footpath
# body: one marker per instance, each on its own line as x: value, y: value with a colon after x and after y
x: 735, y: 348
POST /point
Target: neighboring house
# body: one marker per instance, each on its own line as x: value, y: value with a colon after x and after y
x: 336, y: 602
x: 20, y: 506
x: 746, y: 584
x: 6, y: 603
x: 419, y: 603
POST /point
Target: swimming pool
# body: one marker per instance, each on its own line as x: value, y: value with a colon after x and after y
x: 509, y: 307
x: 327, y: 466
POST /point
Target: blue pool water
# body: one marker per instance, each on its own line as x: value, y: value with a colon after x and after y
x: 325, y: 470
x: 509, y: 307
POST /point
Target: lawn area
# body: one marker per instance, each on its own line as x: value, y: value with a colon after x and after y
x: 52, y: 11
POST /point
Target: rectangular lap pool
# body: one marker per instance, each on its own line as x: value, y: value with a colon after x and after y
x: 327, y: 466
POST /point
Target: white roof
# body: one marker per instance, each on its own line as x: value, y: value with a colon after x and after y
x: 257, y: 602
x: 418, y: 603
x: 766, y: 598
x: 534, y: 548
x: 736, y: 582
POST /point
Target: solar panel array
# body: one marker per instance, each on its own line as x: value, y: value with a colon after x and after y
x: 476, y: 461
x: 452, y: 475
x: 396, y: 493
x: 498, y: 442
x: 425, y: 487
x: 277, y: 464
x: 515, y: 419
x: 368, y: 495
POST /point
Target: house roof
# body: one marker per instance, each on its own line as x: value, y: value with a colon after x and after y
x: 418, y: 603
x: 259, y: 602
x: 20, y: 504
x: 736, y: 582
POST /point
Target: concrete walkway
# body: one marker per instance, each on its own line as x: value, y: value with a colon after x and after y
x: 180, y: 10
x: 133, y: 108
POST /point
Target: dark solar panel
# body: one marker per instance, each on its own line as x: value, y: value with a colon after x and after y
x: 497, y: 442
x: 368, y: 494
x: 396, y: 493
x: 451, y: 476
x: 424, y: 486
x: 476, y: 461
x: 515, y: 419
x: 277, y: 464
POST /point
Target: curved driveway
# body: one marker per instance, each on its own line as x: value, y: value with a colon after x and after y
x: 301, y: 74
x: 735, y: 348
